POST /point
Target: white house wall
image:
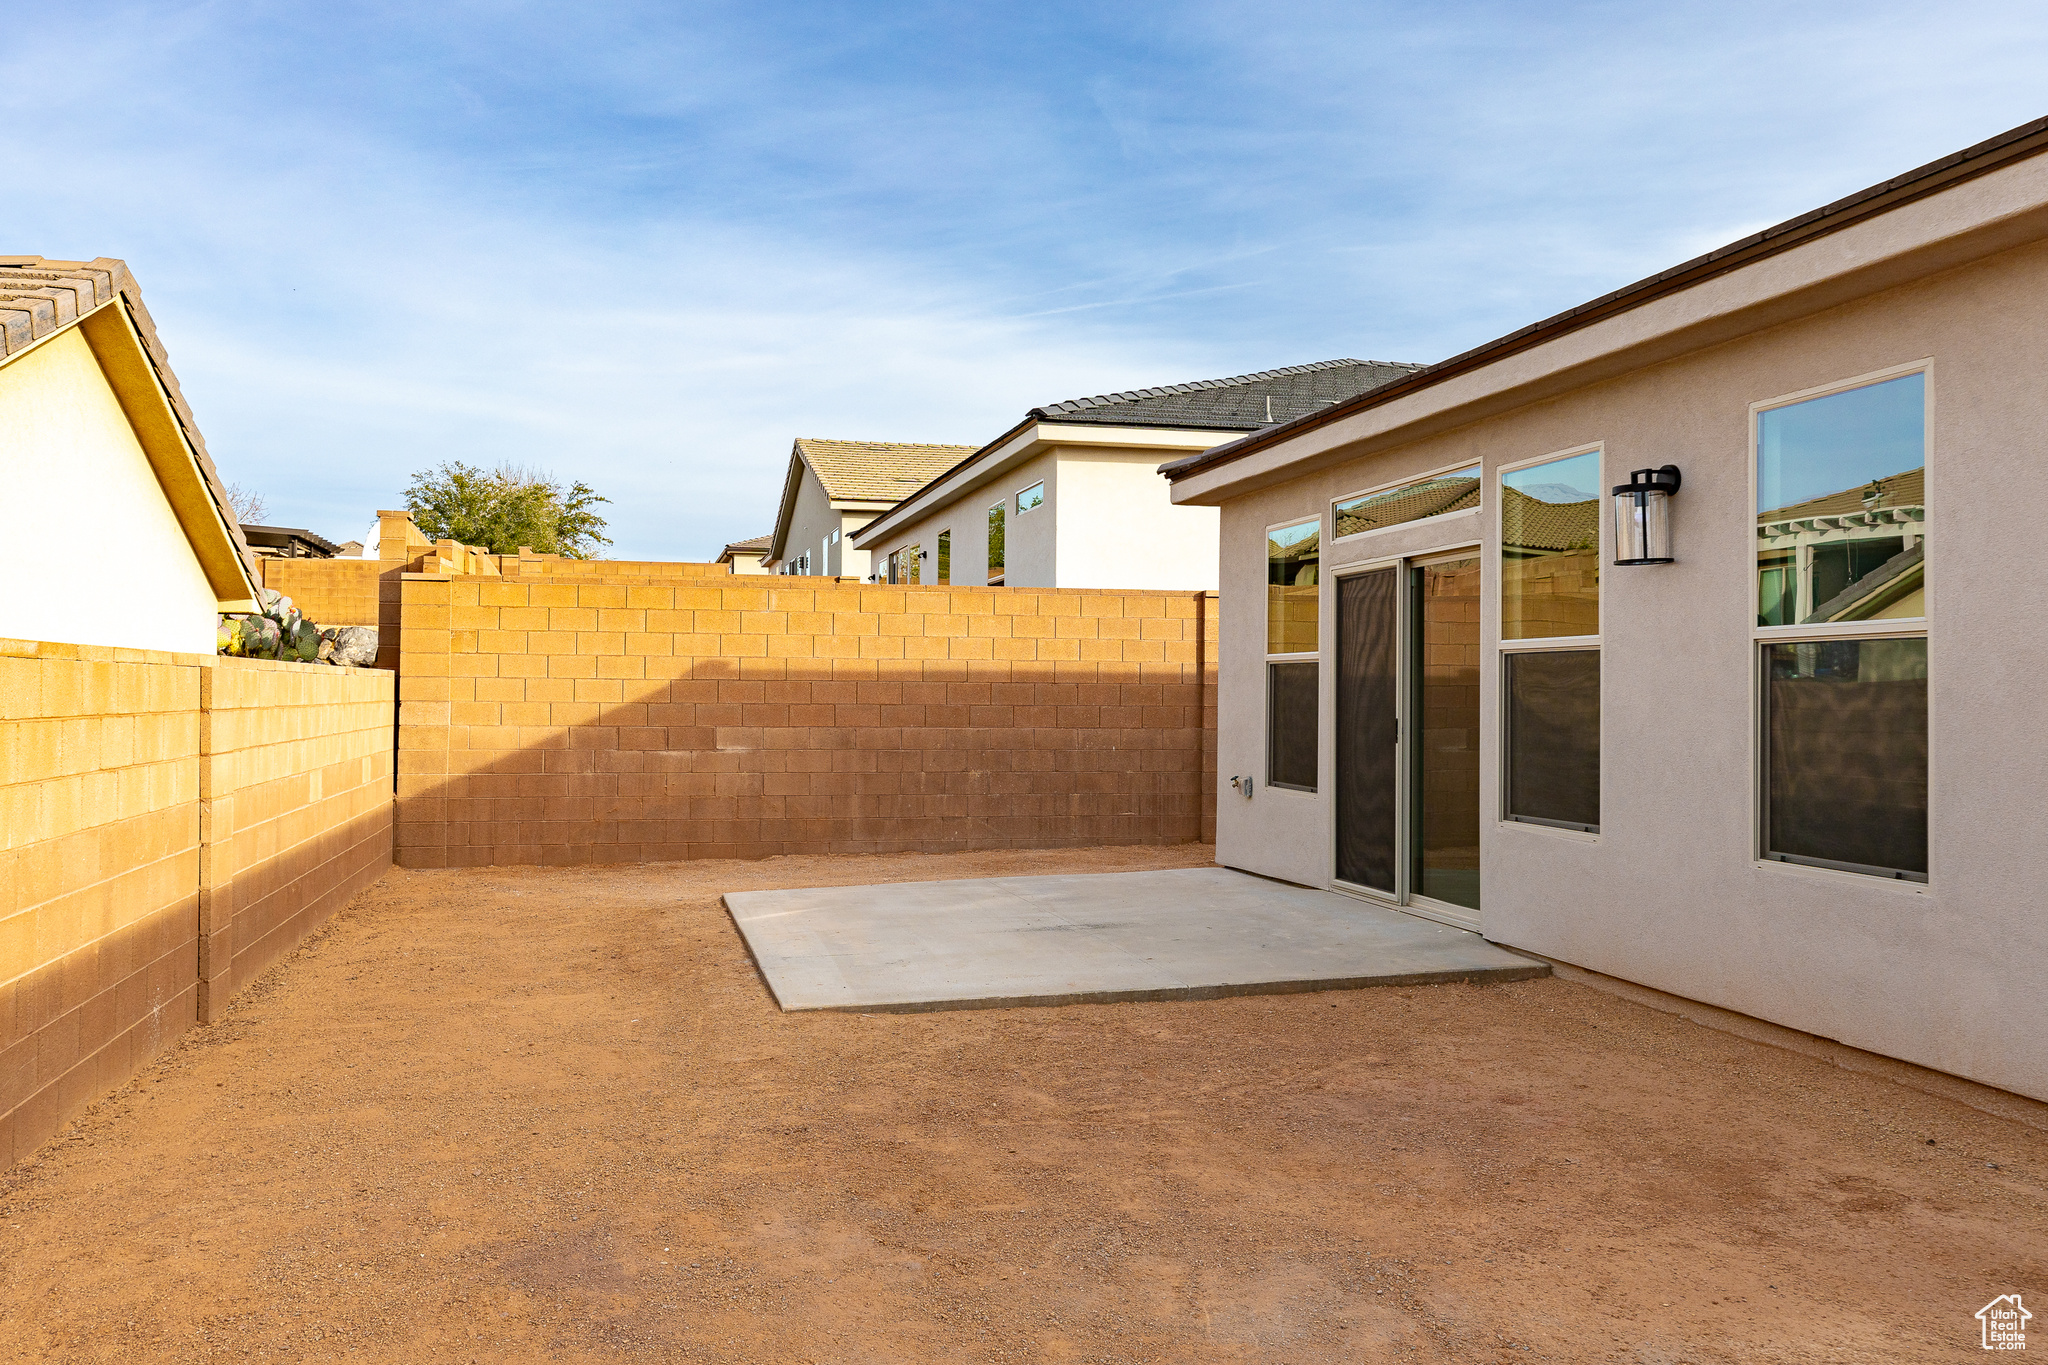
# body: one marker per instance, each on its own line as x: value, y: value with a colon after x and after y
x: 95, y: 555
x: 1952, y: 974
x: 1117, y: 528
x: 1030, y: 544
x: 811, y: 523
x: 1106, y: 523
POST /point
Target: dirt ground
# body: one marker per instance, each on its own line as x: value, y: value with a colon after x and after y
x: 522, y: 1114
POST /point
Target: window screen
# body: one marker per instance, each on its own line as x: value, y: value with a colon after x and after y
x: 1553, y: 738
x: 1846, y: 755
x: 1291, y: 725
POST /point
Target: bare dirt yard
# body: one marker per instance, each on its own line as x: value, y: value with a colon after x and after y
x: 539, y: 1115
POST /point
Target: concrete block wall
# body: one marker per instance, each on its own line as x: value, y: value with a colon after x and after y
x: 295, y: 808
x: 169, y: 823
x: 99, y: 873
x: 330, y: 592
x: 622, y: 717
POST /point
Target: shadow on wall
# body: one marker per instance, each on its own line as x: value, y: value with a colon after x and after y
x: 170, y: 826
x: 623, y: 718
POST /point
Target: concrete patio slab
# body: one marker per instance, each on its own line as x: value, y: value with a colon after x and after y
x: 1181, y: 934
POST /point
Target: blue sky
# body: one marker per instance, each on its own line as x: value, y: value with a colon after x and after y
x: 645, y: 245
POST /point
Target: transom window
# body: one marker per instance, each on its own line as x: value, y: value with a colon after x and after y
x: 1455, y: 490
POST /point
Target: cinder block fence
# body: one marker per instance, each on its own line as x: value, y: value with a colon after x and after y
x: 615, y: 713
x: 170, y: 825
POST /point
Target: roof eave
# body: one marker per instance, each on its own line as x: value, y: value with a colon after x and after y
x: 193, y: 490
x: 1993, y: 154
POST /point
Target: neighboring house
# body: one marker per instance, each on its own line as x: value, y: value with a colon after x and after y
x: 833, y: 489
x: 290, y: 542
x: 745, y: 556
x: 94, y: 431
x: 1069, y: 498
x: 1788, y: 763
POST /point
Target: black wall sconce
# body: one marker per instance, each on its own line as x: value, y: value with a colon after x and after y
x: 1642, y: 516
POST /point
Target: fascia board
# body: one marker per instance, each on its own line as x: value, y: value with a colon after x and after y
x: 1025, y: 444
x: 124, y: 361
x: 1135, y: 438
x: 1977, y: 218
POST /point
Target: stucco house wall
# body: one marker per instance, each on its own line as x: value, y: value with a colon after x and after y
x: 1030, y: 542
x: 67, y: 450
x: 1118, y: 529
x: 1951, y: 974
x: 1106, y: 522
x: 811, y: 524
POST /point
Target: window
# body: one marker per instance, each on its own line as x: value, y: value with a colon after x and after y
x: 1841, y: 506
x: 995, y: 543
x: 1030, y: 498
x: 1841, y: 627
x: 1550, y: 548
x: 903, y: 565
x: 1455, y: 490
x: 945, y: 557
x: 1550, y: 515
x: 1552, y: 712
x: 1292, y: 562
x: 1291, y: 725
x: 1292, y: 559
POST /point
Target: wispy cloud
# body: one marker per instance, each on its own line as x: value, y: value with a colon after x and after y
x: 646, y: 245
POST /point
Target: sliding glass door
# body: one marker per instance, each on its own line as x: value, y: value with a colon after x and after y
x: 1407, y: 734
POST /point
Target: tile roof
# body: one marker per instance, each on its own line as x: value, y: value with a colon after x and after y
x: 1907, y: 489
x: 1528, y: 523
x: 760, y: 542
x: 1432, y: 497
x: 1242, y: 402
x: 40, y: 296
x: 875, y: 471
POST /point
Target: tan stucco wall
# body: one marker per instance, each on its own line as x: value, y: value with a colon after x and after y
x: 1951, y: 975
x: 68, y: 452
x: 812, y: 521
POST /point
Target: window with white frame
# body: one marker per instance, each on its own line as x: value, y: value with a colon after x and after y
x: 1550, y: 519
x: 1031, y: 498
x: 1841, y: 612
x: 1435, y: 495
x: 1293, y: 639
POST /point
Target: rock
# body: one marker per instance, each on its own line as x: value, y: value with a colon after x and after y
x: 355, y: 646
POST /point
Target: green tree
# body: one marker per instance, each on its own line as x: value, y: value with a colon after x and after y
x: 505, y: 508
